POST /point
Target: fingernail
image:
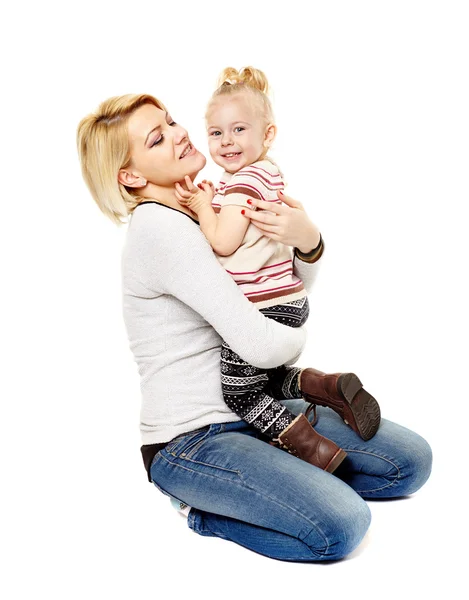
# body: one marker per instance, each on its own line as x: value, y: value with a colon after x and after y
x: 243, y: 212
x: 249, y: 201
x: 281, y: 193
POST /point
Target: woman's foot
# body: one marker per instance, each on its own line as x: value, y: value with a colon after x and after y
x: 301, y: 440
x: 344, y: 393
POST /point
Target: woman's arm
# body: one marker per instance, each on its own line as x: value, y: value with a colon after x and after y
x: 291, y: 226
x: 306, y: 266
x: 179, y: 261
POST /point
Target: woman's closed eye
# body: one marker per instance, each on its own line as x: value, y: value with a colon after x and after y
x: 161, y: 138
x: 157, y: 141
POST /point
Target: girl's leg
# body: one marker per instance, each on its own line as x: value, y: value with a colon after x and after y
x: 283, y: 382
x: 244, y: 393
x: 244, y: 386
x: 247, y: 491
x: 342, y: 392
x: 395, y: 462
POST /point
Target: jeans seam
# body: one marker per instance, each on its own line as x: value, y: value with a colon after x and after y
x: 189, y: 460
x: 383, y: 458
x: 202, y: 529
x: 263, y: 495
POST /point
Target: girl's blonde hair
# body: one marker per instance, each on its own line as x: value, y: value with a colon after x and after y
x: 247, y: 80
x: 103, y: 149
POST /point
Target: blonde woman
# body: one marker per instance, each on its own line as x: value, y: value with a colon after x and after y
x: 179, y: 303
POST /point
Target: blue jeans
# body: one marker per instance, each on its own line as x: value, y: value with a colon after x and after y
x: 245, y: 490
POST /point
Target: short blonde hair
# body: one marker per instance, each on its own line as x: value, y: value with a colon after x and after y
x: 247, y: 80
x: 103, y: 149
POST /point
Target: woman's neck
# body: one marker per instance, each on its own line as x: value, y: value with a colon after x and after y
x: 165, y: 196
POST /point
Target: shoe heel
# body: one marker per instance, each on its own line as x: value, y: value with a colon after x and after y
x: 336, y: 461
x: 364, y: 410
x: 349, y: 386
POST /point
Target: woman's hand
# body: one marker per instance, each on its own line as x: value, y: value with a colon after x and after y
x: 290, y: 224
x: 195, y: 197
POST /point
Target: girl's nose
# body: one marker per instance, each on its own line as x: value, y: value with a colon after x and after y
x: 226, y: 140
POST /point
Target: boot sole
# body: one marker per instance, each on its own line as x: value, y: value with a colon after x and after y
x: 358, y: 408
x: 335, y: 461
x: 362, y: 411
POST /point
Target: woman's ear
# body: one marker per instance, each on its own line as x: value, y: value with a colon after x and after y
x: 269, y: 135
x: 131, y: 179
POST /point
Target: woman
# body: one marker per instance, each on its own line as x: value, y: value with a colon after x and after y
x: 179, y: 304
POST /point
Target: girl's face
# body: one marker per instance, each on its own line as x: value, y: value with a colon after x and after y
x: 237, y: 136
x: 161, y: 151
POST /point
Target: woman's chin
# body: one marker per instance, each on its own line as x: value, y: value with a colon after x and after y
x: 202, y: 160
x: 197, y: 163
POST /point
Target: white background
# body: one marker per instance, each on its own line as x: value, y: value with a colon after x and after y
x: 371, y: 100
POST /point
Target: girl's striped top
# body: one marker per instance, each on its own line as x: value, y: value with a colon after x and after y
x: 262, y: 267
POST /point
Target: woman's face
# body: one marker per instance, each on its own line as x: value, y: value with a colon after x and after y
x: 161, y: 151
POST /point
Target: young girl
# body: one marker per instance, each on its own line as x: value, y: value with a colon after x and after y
x: 241, y: 129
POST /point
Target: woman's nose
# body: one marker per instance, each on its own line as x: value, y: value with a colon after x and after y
x: 180, y: 134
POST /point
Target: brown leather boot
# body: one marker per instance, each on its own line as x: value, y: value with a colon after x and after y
x: 344, y: 393
x: 300, y: 439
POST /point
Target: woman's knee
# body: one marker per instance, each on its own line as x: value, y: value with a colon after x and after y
x: 396, y: 465
x: 417, y: 464
x: 341, y: 531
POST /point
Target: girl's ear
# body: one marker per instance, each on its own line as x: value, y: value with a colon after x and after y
x: 269, y: 135
x: 130, y: 179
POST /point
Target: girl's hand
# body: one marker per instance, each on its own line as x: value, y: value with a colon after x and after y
x: 194, y: 197
x: 206, y: 181
x: 290, y: 224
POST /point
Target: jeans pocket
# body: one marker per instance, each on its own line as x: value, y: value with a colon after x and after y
x: 181, y: 446
x: 184, y: 444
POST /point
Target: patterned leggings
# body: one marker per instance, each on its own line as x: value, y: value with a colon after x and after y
x: 253, y: 393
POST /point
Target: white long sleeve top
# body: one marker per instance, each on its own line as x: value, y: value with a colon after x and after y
x: 178, y: 305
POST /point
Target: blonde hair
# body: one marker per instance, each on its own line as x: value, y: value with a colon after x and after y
x: 103, y: 149
x: 247, y: 80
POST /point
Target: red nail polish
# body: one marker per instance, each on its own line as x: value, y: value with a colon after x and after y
x: 243, y: 212
x: 249, y: 201
x: 281, y: 193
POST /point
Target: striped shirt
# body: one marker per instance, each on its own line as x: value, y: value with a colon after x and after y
x: 262, y: 267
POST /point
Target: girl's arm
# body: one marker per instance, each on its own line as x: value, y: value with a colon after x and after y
x: 249, y: 183
x: 225, y: 231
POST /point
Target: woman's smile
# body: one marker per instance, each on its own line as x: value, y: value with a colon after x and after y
x: 189, y: 150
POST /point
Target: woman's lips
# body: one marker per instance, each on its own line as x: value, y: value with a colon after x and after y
x: 187, y: 152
